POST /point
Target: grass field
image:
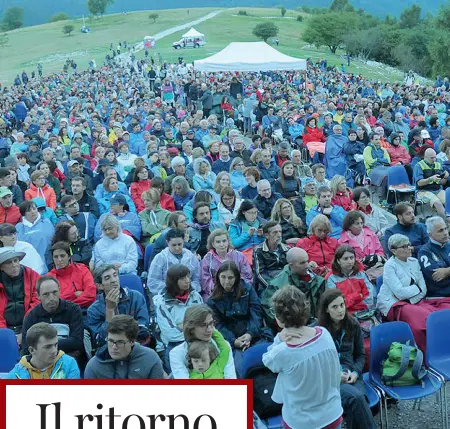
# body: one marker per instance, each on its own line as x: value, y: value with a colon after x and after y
x: 46, y: 43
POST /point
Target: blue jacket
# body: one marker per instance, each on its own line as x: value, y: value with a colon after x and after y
x: 130, y: 222
x: 181, y: 202
x: 65, y: 368
x: 38, y: 235
x: 431, y: 257
x: 237, y: 180
x: 85, y: 223
x: 416, y: 233
x: 138, y: 144
x: 242, y: 240
x: 100, y: 191
x: 336, y: 218
x: 104, y: 205
x: 189, y: 211
x: 334, y: 160
x: 131, y: 302
x: 271, y: 174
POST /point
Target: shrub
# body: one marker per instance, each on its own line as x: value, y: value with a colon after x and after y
x: 61, y: 16
x: 299, y: 18
x: 243, y: 13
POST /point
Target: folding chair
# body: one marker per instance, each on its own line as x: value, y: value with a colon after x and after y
x: 374, y: 396
x: 381, y: 338
x: 398, y: 181
x: 438, y: 349
x: 9, y: 355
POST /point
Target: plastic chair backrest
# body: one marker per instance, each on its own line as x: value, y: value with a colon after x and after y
x: 379, y: 283
x: 381, y: 338
x: 9, y: 355
x: 397, y: 176
x: 447, y: 201
x: 253, y: 357
x: 438, y: 339
x: 132, y: 281
x: 148, y: 253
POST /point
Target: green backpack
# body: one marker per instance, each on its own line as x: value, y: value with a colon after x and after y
x: 404, y: 366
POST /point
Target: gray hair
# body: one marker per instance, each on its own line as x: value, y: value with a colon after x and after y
x: 99, y: 270
x: 261, y: 183
x: 295, y: 152
x: 178, y: 160
x: 197, y: 152
x: 110, y: 221
x: 431, y: 221
x: 235, y: 161
x: 398, y: 240
x: 198, y: 162
x: 183, y: 183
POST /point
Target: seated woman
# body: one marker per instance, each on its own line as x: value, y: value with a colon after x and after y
x: 32, y: 259
x: 80, y: 248
x: 198, y: 325
x: 237, y: 180
x: 201, y: 197
x: 228, y: 206
x: 171, y: 306
x: 289, y: 185
x: 348, y: 338
x: 341, y: 195
x: 213, y: 154
x: 237, y: 312
x: 111, y: 187
x: 153, y: 218
x: 299, y: 353
x: 141, y: 183
x: 182, y: 193
x: 39, y: 188
x: 374, y: 217
x: 319, y: 245
x: 402, y: 294
x: 377, y: 161
x: 348, y: 276
x: 203, y: 178
x: 222, y: 181
x: 75, y: 280
x: 249, y: 192
x: 291, y: 225
x: 52, y: 181
x: 111, y: 156
x: 115, y: 248
x: 246, y: 230
x: 220, y: 251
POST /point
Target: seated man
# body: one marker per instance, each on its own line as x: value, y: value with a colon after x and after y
x: 174, y: 253
x: 336, y: 214
x: 85, y: 200
x: 430, y: 178
x: 114, y: 299
x: 224, y: 161
x: 265, y: 199
x: 17, y: 290
x: 64, y: 315
x: 268, y: 169
x: 9, y: 212
x: 75, y: 169
x: 434, y: 259
x: 303, y: 204
x: 296, y: 273
x: 85, y: 221
x: 122, y: 357
x: 44, y: 361
x: 407, y: 225
x: 269, y: 258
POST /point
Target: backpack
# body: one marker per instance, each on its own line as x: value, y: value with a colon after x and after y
x: 404, y: 366
x: 367, y: 320
x: 263, y: 385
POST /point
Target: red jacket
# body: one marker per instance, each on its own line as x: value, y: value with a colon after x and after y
x: 344, y: 200
x: 398, y: 154
x: 136, y: 191
x: 59, y: 175
x: 167, y: 202
x: 30, y: 278
x: 10, y: 215
x: 319, y: 251
x: 46, y: 192
x: 313, y: 135
x: 76, y: 277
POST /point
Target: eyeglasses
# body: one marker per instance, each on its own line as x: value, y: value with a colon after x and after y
x: 208, y: 325
x: 119, y: 343
x: 406, y: 246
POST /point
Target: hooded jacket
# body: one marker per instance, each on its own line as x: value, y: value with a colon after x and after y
x: 335, y: 160
x: 319, y: 251
x: 38, y: 234
x: 398, y: 154
x: 136, y: 191
x: 46, y: 192
x: 76, y: 278
x: 65, y: 367
x: 271, y: 173
x: 372, y: 245
x: 313, y: 135
x: 242, y: 240
x: 128, y: 222
x: 142, y: 363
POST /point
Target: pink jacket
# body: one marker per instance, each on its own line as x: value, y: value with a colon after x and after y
x: 398, y: 154
x: 372, y: 245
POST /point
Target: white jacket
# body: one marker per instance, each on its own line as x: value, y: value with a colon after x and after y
x: 376, y: 221
x: 397, y: 286
x: 225, y: 215
x: 32, y: 258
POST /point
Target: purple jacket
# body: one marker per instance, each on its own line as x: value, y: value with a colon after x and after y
x: 211, y: 263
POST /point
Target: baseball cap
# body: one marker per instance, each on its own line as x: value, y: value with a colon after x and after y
x: 190, y: 130
x: 103, y: 162
x: 72, y: 162
x: 77, y: 136
x: 118, y: 200
x: 4, y: 191
x: 308, y: 180
x: 425, y: 134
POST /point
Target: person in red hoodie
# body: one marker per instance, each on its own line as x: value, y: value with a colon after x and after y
x: 312, y: 132
x: 319, y: 245
x: 141, y: 183
x: 9, y: 212
x: 348, y: 275
x: 77, y: 283
x: 17, y: 286
x: 341, y: 195
x: 39, y: 188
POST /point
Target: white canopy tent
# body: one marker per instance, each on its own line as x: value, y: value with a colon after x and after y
x: 193, y: 33
x: 249, y: 56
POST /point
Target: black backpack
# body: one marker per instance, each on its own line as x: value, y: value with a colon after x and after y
x: 263, y: 384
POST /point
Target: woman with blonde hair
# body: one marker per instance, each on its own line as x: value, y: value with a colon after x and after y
x: 222, y: 181
x: 341, y: 195
x: 291, y: 225
x: 153, y: 218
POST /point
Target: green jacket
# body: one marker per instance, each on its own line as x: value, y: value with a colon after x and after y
x: 148, y: 227
x: 313, y: 290
x: 217, y: 367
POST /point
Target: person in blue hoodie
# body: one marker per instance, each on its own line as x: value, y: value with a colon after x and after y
x: 46, y: 212
x: 34, y: 229
x: 100, y: 191
x: 44, y: 361
x: 137, y: 143
x: 111, y: 186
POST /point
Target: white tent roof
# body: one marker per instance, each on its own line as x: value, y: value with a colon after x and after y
x: 193, y: 33
x: 249, y: 56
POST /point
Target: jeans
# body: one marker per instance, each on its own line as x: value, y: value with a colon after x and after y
x: 356, y: 409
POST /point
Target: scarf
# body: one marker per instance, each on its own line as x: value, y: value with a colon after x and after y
x: 183, y: 298
x: 199, y: 226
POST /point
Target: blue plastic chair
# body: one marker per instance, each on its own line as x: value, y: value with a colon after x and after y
x: 447, y: 202
x: 381, y: 338
x: 438, y: 348
x: 374, y: 396
x: 9, y: 355
x: 148, y: 253
x: 397, y: 176
x: 379, y: 283
x: 133, y: 282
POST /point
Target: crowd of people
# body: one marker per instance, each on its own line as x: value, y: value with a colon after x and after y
x: 249, y: 206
